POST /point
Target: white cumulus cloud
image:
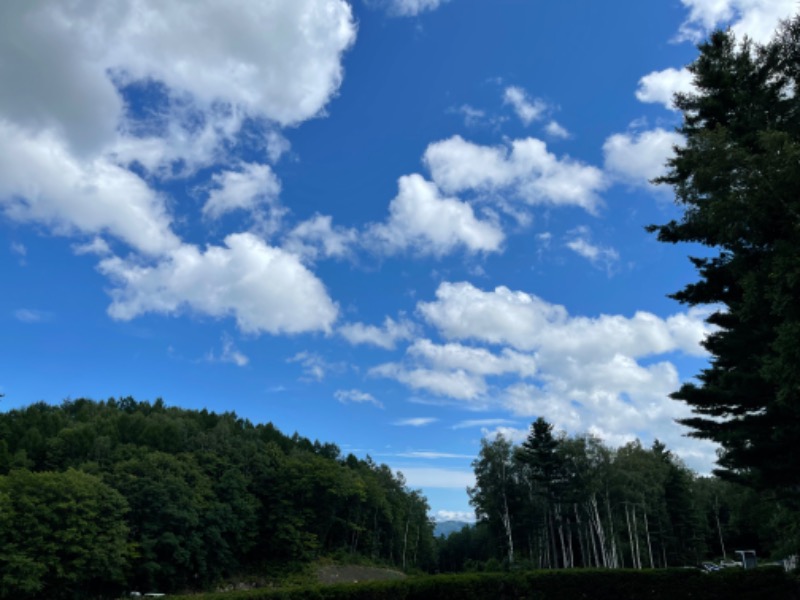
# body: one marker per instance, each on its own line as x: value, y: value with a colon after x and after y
x: 66, y: 138
x: 637, y: 158
x: 318, y: 237
x: 455, y: 357
x: 756, y: 19
x: 610, y: 372
x: 455, y: 515
x: 280, y: 59
x: 455, y: 370
x: 252, y: 185
x: 525, y: 169
x: 41, y: 182
x: 72, y: 147
x: 660, y: 87
x: 264, y: 288
x: 385, y: 337
x: 458, y: 384
x: 526, y: 322
x: 422, y: 219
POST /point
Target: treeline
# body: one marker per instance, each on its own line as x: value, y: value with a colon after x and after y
x: 559, y: 502
x: 100, y: 497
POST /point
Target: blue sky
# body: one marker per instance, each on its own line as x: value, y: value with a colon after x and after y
x: 397, y: 225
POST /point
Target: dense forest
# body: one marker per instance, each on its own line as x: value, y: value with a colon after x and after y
x: 99, y: 497
x: 560, y: 502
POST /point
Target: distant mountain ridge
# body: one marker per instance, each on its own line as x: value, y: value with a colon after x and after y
x: 445, y: 528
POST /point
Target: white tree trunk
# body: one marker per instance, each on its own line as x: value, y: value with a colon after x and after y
x: 614, y: 553
x: 507, y: 526
x: 647, y: 534
x: 630, y: 536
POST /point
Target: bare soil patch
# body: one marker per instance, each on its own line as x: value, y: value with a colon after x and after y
x: 354, y: 574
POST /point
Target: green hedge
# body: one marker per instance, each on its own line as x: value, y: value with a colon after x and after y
x: 667, y: 584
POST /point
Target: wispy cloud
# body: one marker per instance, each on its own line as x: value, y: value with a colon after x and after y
x: 433, y: 477
x: 472, y: 116
x: 357, y: 397
x: 405, y: 8
x: 97, y: 246
x: 229, y: 354
x: 415, y: 422
x: 528, y: 110
x: 469, y: 423
x: 21, y: 251
x: 315, y: 367
x: 603, y: 257
x: 512, y: 434
x: 556, y: 130
x: 29, y: 315
x: 432, y: 455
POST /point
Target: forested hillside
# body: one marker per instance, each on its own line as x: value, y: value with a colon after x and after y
x: 97, y: 497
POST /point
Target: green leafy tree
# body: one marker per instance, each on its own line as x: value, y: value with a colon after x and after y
x: 62, y: 535
x: 738, y: 180
x: 497, y: 490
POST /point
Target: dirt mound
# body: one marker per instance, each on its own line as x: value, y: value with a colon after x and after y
x: 354, y: 574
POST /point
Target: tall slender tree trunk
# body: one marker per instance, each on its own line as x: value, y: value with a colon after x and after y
x: 568, y: 536
x: 507, y: 526
x: 647, y: 534
x: 630, y: 536
x: 594, y: 541
x: 614, y: 553
x: 597, y: 523
x: 560, y: 521
x: 719, y: 529
x: 636, y: 538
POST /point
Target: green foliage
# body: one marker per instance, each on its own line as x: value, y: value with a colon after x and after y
x: 62, y: 535
x: 564, y: 502
x: 466, y: 550
x: 206, y: 496
x: 762, y: 584
x: 738, y: 181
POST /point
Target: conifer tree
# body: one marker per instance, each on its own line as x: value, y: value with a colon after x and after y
x: 737, y: 178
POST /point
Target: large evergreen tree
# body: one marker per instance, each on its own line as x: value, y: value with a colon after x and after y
x: 738, y: 179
